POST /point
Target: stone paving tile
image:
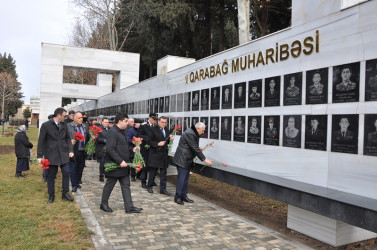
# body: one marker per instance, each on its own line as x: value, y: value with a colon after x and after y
x: 166, y: 225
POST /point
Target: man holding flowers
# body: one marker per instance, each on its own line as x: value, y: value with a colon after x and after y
x: 118, y: 152
x: 131, y: 133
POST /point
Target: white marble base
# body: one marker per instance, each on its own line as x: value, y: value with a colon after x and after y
x: 329, y: 231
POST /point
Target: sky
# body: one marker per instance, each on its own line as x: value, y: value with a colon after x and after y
x: 24, y: 26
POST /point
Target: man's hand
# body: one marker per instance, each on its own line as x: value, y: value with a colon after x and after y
x: 123, y: 164
x: 71, y: 155
x: 73, y: 142
x: 136, y: 148
x: 39, y: 160
x: 208, y: 162
x: 202, y: 149
x: 161, y: 143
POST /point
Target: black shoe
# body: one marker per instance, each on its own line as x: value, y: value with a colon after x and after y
x: 44, y: 179
x: 78, y: 186
x: 178, y: 201
x: 143, y: 185
x: 22, y: 176
x: 133, y: 179
x: 187, y: 200
x: 51, y: 200
x: 67, y: 197
x: 133, y: 210
x: 105, y: 208
x: 150, y: 190
x: 154, y: 184
x: 74, y: 189
x: 164, y: 192
x: 101, y: 179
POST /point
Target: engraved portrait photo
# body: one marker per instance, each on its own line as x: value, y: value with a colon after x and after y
x: 293, y: 89
x: 151, y: 106
x: 345, y: 130
x: 239, y: 129
x: 271, y: 130
x: 214, y: 128
x: 194, y: 120
x: 346, y: 79
x: 292, y: 131
x: 226, y: 128
x: 156, y: 106
x: 162, y: 105
x: 215, y: 98
x: 187, y: 101
x: 370, y: 134
x: 255, y: 94
x: 204, y: 100
x: 179, y: 102
x: 178, y: 122
x: 240, y: 95
x: 186, y: 123
x: 205, y: 121
x: 317, y: 86
x: 226, y: 97
x: 254, y: 129
x: 173, y: 103
x: 167, y: 100
x: 371, y: 80
x: 195, y: 100
x: 272, y: 91
x: 316, y: 132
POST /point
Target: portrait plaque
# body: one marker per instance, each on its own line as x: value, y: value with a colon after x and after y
x: 214, y: 128
x: 226, y: 128
x: 194, y: 120
x: 255, y: 94
x: 345, y: 132
x: 293, y: 89
x: 317, y: 83
x: 204, y: 100
x: 371, y: 80
x: 239, y: 129
x: 292, y: 131
x: 186, y: 123
x: 167, y: 100
x: 215, y: 98
x: 254, y: 129
x: 195, y: 100
x: 187, y: 101
x: 125, y: 109
x: 136, y: 108
x: 178, y: 122
x: 240, y: 95
x: 151, y: 106
x: 226, y: 97
x: 316, y: 132
x: 173, y: 103
x: 156, y: 105
x: 205, y: 121
x: 370, y: 134
x: 272, y: 91
x: 132, y: 109
x: 271, y: 130
x: 162, y: 105
x: 179, y: 102
x: 171, y: 124
x: 346, y: 79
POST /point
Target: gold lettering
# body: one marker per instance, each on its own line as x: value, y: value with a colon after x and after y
x: 270, y: 55
x: 206, y: 73
x: 296, y: 49
x: 308, y: 44
x: 192, y: 77
x: 196, y: 76
x: 235, y: 65
x: 284, y: 53
x: 218, y: 69
x: 212, y: 71
x: 251, y: 61
x: 243, y: 65
x: 317, y: 41
x: 260, y: 58
x: 224, y: 68
x: 277, y: 52
x: 201, y: 77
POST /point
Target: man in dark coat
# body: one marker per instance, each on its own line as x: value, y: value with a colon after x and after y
x: 145, y: 134
x: 22, y: 147
x: 69, y: 119
x: 55, y: 145
x: 131, y: 133
x: 118, y: 152
x: 187, y: 150
x: 101, y: 145
x: 77, y: 164
x: 158, y: 154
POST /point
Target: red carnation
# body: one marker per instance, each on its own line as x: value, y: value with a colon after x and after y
x: 45, y: 164
x: 79, y: 137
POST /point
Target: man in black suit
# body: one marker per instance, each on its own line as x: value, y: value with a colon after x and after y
x: 118, y: 152
x: 55, y: 145
x: 100, y: 147
x: 158, y: 154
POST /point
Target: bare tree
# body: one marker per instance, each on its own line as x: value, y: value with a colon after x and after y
x: 101, y: 17
x: 9, y: 91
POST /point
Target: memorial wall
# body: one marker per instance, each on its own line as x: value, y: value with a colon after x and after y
x: 300, y: 104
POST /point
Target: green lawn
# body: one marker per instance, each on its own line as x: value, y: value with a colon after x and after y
x: 26, y: 220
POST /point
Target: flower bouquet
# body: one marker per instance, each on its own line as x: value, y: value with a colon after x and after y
x: 138, y: 158
x: 113, y: 166
x: 90, y: 148
x: 45, y: 164
x: 215, y: 164
x: 79, y: 137
x: 175, y: 130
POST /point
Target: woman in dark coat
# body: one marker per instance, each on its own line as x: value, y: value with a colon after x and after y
x: 22, y: 147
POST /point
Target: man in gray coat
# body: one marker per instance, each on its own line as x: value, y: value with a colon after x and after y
x: 187, y: 150
x: 55, y: 145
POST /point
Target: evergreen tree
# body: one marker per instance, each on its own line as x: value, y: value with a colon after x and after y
x: 27, y: 113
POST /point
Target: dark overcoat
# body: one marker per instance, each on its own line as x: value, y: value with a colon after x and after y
x: 101, y: 142
x: 54, y: 144
x: 188, y: 149
x: 145, y: 133
x: 22, y: 145
x: 158, y: 156
x: 117, y: 150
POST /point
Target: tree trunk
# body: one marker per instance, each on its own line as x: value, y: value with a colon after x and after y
x: 243, y: 21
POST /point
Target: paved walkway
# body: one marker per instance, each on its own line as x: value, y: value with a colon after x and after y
x: 166, y: 225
